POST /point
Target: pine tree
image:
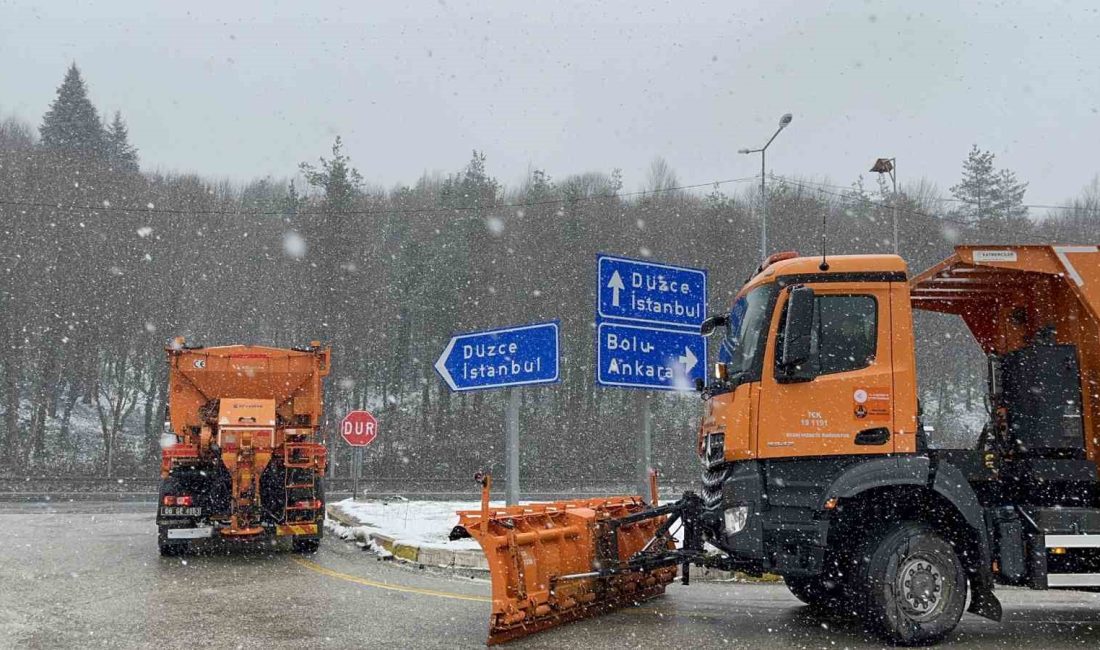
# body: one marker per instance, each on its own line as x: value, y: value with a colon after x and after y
x: 336, y: 177
x: 1008, y: 203
x: 120, y: 153
x: 978, y: 187
x: 990, y: 197
x: 472, y: 187
x: 72, y: 123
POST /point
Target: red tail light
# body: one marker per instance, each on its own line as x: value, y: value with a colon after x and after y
x: 169, y: 500
x: 183, y: 500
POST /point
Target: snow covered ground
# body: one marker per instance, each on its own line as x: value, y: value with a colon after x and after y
x: 419, y: 523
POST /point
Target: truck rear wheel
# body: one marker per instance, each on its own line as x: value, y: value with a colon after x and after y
x: 170, y: 549
x: 306, y: 544
x: 913, y: 585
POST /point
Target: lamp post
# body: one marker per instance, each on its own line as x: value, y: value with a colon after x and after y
x: 783, y: 122
x: 889, y: 166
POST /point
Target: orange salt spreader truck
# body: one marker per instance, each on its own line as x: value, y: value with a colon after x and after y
x: 242, y: 459
x: 817, y: 465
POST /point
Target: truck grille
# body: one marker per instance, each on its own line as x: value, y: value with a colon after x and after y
x: 714, y: 451
x: 713, y: 479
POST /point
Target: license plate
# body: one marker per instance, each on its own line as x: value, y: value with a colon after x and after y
x: 190, y: 533
x: 179, y: 511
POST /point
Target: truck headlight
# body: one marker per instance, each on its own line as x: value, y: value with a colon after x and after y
x: 735, y: 518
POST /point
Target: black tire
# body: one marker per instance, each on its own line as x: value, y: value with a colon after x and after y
x: 170, y: 549
x: 324, y: 505
x: 306, y: 544
x: 819, y: 592
x: 912, y: 585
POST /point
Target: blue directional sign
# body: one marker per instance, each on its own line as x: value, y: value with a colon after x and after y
x: 649, y: 357
x: 645, y: 292
x: 512, y: 356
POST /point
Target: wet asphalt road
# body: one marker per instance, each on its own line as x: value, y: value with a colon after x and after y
x: 88, y: 575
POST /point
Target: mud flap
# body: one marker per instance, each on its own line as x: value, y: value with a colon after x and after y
x: 984, y: 602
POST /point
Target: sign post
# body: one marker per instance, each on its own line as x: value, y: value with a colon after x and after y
x: 647, y: 336
x: 511, y: 448
x: 358, y: 429
x: 503, y: 358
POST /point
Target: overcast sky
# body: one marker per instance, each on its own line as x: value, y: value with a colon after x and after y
x: 242, y: 89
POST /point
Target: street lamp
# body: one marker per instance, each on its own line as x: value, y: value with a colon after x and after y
x: 783, y: 122
x: 889, y: 166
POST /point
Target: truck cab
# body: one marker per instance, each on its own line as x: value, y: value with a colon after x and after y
x: 816, y: 464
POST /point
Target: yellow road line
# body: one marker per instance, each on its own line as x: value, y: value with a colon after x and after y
x: 313, y: 566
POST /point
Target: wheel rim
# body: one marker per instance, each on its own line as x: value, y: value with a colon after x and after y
x: 920, y: 587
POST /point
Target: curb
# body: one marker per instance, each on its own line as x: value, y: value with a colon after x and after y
x: 470, y: 560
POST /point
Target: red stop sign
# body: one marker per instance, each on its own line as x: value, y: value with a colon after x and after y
x: 359, y: 428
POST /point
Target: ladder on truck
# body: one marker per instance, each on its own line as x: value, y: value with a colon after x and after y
x: 302, y: 459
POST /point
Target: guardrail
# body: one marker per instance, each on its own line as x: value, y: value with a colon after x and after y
x: 382, y: 486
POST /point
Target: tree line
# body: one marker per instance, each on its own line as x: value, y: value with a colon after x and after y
x: 104, y: 263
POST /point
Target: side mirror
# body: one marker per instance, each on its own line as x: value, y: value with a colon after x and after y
x: 797, y: 333
x: 711, y: 324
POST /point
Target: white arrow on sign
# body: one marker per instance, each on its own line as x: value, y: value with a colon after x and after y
x: 616, y: 285
x: 688, y: 359
x: 441, y: 364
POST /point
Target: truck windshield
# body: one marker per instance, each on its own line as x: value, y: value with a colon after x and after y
x: 743, y: 339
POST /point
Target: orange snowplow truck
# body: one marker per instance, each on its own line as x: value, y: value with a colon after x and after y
x: 818, y: 467
x: 241, y: 458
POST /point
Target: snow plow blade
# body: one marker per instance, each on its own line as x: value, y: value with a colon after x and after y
x: 552, y: 563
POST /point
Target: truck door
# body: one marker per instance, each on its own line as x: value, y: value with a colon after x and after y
x: 843, y: 403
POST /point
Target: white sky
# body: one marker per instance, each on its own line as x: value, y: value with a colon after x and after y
x: 250, y: 88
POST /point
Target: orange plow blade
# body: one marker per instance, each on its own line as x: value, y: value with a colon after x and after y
x: 552, y: 563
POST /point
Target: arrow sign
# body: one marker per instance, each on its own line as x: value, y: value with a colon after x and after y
x: 649, y: 357
x: 616, y: 285
x: 688, y: 359
x: 647, y: 292
x: 513, y: 356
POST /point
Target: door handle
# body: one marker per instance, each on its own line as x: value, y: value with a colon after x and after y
x: 876, y: 436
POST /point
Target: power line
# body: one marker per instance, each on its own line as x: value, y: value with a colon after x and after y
x: 152, y: 209
x: 942, y: 199
x: 900, y: 208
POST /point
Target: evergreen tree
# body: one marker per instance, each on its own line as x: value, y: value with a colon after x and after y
x: 1008, y: 201
x: 472, y: 187
x: 120, y: 153
x: 990, y: 198
x: 336, y: 177
x: 72, y: 123
x: 978, y: 187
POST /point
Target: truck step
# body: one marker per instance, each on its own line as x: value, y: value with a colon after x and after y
x: 1073, y: 541
x: 1073, y: 579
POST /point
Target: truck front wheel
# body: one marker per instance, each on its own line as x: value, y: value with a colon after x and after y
x: 913, y: 584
